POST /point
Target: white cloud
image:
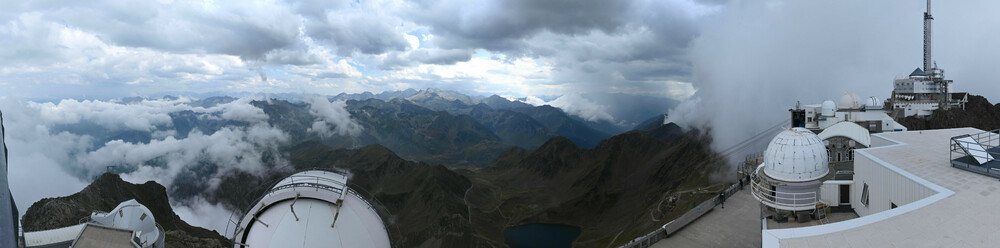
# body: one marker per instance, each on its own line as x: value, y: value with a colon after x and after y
x: 199, y: 212
x: 413, y: 40
x: 114, y: 116
x: 332, y: 118
x: 482, y: 73
x: 38, y: 150
x: 577, y: 105
x: 238, y: 110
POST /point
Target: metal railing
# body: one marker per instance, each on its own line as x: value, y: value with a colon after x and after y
x: 783, y: 200
x: 675, y: 225
x: 965, y: 155
x: 369, y: 199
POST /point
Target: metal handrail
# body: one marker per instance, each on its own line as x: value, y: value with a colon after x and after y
x: 355, y: 190
x: 991, y: 137
x: 764, y: 194
x: 273, y: 186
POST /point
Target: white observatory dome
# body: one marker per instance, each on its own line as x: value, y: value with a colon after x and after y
x: 796, y: 155
x: 829, y: 108
x: 873, y: 102
x: 313, y: 208
x: 849, y: 101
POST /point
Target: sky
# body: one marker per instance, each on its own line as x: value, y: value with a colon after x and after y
x: 736, y: 66
x: 108, y: 49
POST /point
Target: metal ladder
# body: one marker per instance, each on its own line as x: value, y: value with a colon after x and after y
x: 821, y: 213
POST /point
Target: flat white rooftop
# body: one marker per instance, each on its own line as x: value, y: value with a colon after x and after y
x: 963, y: 211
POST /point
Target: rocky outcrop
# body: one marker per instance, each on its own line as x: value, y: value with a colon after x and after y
x: 107, y: 192
x: 978, y: 113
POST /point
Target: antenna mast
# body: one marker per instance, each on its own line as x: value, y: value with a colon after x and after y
x: 927, y: 40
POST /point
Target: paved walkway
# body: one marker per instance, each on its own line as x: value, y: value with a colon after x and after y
x: 737, y: 225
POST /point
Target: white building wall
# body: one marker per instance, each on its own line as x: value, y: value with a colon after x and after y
x: 914, y: 108
x: 829, y: 192
x: 885, y: 186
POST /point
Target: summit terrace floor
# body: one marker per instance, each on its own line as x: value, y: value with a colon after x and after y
x: 737, y: 225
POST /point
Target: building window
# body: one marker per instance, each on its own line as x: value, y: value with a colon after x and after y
x: 840, y: 157
x: 864, y: 195
x: 850, y: 154
x: 829, y: 155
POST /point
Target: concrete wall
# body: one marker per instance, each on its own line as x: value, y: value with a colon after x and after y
x: 885, y: 186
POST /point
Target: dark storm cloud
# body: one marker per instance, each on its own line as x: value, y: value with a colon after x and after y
x: 426, y: 56
x: 501, y: 25
x: 246, y: 30
x: 362, y: 33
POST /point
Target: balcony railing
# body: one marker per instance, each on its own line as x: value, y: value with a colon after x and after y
x: 783, y: 200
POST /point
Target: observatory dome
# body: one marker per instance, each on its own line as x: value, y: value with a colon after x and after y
x: 849, y: 101
x: 131, y: 215
x: 796, y: 155
x: 873, y: 102
x: 829, y: 108
x: 313, y: 208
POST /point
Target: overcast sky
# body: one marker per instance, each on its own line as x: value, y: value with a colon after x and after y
x: 98, y: 49
x: 101, y: 49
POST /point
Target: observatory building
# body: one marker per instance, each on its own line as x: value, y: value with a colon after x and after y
x: 923, y: 91
x: 129, y: 225
x: 868, y: 113
x: 313, y: 208
x: 794, y: 168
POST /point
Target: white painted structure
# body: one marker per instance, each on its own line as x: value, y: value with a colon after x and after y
x: 866, y: 112
x: 789, y: 178
x: 908, y: 195
x: 313, y: 208
x: 923, y: 91
x: 795, y: 155
x: 130, y: 218
x: 829, y: 192
x: 848, y: 130
x: 130, y: 215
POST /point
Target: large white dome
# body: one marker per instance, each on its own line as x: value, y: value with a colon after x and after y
x: 313, y: 208
x: 849, y: 101
x: 796, y: 155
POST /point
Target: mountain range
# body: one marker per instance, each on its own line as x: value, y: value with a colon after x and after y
x: 610, y: 191
x: 454, y: 170
x: 441, y: 127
